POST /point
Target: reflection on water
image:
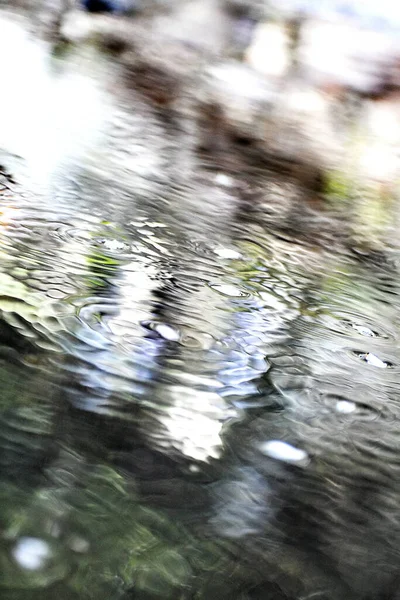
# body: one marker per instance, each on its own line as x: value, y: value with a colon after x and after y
x: 191, y: 407
x: 49, y: 112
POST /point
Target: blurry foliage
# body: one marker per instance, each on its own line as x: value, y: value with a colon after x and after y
x: 373, y: 216
x: 338, y: 187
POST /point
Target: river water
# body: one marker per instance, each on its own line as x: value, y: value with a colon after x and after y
x: 199, y: 380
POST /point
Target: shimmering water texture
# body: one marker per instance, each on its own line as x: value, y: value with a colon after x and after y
x: 193, y: 406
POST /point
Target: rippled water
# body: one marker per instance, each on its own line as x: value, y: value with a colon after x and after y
x: 196, y: 402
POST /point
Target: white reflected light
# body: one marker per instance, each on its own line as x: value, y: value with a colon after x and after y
x: 194, y: 422
x: 31, y: 553
x: 285, y: 452
x: 345, y: 406
x: 45, y: 117
x: 269, y: 51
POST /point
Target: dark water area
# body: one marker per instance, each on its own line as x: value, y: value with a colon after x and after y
x: 199, y: 393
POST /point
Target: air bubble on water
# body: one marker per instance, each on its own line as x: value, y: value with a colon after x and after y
x: 345, y: 406
x: 285, y: 452
x: 31, y: 553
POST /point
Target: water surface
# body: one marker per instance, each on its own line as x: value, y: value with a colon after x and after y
x: 196, y: 401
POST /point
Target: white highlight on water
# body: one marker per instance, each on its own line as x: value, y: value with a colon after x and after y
x: 375, y: 361
x: 345, y: 406
x: 285, y: 452
x: 227, y: 253
x: 167, y: 332
x: 31, y: 553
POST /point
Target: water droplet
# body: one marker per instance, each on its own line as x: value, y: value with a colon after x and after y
x: 285, y: 452
x: 31, y: 553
